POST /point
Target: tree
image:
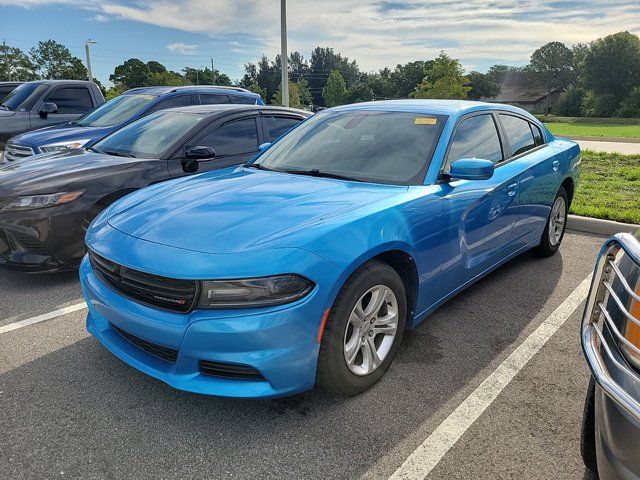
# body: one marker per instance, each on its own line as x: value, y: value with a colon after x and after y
x: 630, y: 106
x: 114, y: 91
x: 612, y: 65
x: 255, y: 88
x: 156, y: 67
x: 570, y: 104
x: 482, y: 85
x: 380, y: 84
x: 405, y: 78
x: 206, y: 76
x: 306, y: 98
x: 15, y: 65
x: 335, y: 91
x: 171, y: 79
x: 324, y: 60
x: 496, y: 73
x: 360, y: 92
x: 132, y: 73
x: 54, y: 61
x: 445, y: 79
x: 294, y: 96
x: 552, y: 65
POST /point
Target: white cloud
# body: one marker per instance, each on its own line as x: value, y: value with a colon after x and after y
x: 183, y: 48
x: 379, y: 33
x: 100, y: 18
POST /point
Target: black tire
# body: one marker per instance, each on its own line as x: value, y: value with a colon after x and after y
x: 333, y: 372
x: 546, y: 248
x: 588, y: 435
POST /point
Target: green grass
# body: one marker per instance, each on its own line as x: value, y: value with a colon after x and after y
x: 576, y: 129
x: 609, y: 187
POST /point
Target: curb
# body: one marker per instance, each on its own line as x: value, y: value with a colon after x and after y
x: 602, y: 139
x: 598, y: 226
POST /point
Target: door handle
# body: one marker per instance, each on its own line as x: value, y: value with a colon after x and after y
x: 512, y: 189
x: 556, y: 165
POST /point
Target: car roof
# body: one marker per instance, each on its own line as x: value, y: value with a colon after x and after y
x: 232, y: 108
x: 160, y: 90
x: 11, y: 83
x: 453, y: 108
x: 53, y: 82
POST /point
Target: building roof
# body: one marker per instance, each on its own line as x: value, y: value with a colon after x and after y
x: 520, y: 87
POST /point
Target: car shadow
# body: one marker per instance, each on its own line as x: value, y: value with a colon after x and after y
x: 85, y: 412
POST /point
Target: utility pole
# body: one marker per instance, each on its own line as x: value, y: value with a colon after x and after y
x: 283, y: 53
x: 6, y: 58
x: 86, y: 50
x: 213, y: 75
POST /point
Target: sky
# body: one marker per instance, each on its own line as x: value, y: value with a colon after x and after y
x: 181, y: 33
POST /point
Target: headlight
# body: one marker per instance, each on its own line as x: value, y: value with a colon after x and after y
x: 254, y: 292
x: 64, y: 146
x: 41, y: 201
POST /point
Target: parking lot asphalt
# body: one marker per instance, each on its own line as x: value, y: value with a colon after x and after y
x: 72, y: 410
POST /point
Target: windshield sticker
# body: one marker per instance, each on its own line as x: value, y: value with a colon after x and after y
x: 426, y: 121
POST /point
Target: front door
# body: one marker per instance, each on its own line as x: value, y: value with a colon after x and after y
x: 72, y: 103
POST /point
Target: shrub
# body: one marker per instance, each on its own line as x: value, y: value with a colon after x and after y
x: 630, y: 106
x: 594, y: 105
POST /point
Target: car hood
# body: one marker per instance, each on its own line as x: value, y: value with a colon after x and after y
x: 67, y: 132
x: 50, y: 172
x: 242, y: 209
x: 6, y: 113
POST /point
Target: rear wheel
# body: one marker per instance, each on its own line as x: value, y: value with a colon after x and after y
x: 363, y: 331
x: 556, y: 225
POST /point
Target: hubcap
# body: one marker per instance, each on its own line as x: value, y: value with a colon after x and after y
x: 371, y: 330
x: 557, y: 220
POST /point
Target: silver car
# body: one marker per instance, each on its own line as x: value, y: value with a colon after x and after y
x: 611, y: 344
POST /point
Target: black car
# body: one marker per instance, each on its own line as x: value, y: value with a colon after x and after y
x: 47, y: 203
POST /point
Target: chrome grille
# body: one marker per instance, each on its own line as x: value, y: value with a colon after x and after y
x: 15, y: 152
x: 611, y: 322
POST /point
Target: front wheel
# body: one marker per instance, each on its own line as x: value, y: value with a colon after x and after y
x: 363, y: 331
x: 556, y: 225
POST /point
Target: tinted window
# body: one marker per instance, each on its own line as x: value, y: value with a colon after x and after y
x: 233, y: 138
x: 518, y: 133
x: 243, y: 100
x: 278, y: 126
x: 173, y: 102
x: 150, y: 136
x: 71, y: 100
x: 5, y: 90
x: 116, y: 110
x: 208, y: 99
x: 537, y: 134
x: 476, y: 137
x: 372, y: 146
x: 24, y: 96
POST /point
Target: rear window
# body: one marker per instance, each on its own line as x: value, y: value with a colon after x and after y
x: 211, y: 99
x: 518, y: 133
x: 243, y: 100
x: 116, y: 110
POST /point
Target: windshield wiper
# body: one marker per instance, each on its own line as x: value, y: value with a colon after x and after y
x: 259, y: 167
x: 118, y: 153
x: 314, y: 172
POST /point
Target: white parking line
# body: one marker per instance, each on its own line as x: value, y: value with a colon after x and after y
x: 424, y: 459
x: 41, y: 318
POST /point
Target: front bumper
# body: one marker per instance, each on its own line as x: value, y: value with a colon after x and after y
x: 617, y: 401
x: 44, y: 239
x: 280, y: 343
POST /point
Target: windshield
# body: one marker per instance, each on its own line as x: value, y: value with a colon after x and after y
x: 371, y: 146
x: 116, y: 111
x: 24, y: 96
x: 150, y: 136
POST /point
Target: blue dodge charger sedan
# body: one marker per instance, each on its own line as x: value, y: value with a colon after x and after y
x: 306, y: 265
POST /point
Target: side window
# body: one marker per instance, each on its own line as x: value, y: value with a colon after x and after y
x: 179, y: 101
x: 233, y: 138
x: 518, y: 133
x: 537, y: 134
x: 476, y: 137
x: 71, y: 100
x: 209, y: 99
x: 243, y: 100
x: 278, y: 126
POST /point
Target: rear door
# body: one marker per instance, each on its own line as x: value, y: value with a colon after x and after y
x: 537, y: 176
x: 235, y: 141
x: 72, y: 102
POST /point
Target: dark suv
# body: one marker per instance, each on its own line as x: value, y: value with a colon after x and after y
x: 43, y: 103
x: 47, y: 203
x: 7, y: 87
x: 119, y: 111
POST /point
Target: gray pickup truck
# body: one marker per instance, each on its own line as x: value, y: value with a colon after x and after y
x: 44, y: 103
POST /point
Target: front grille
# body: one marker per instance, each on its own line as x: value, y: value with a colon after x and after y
x: 228, y: 370
x: 30, y: 244
x: 161, y: 292
x: 14, y: 152
x: 163, y: 353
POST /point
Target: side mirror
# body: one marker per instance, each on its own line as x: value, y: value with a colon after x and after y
x: 47, y: 108
x: 264, y: 146
x: 471, y: 169
x: 200, y: 153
